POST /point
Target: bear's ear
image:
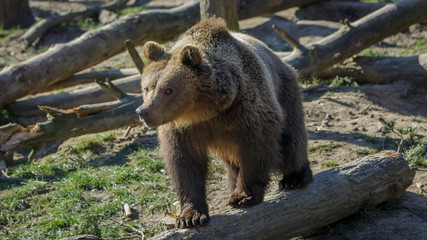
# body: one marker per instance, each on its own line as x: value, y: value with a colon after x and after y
x: 154, y: 52
x: 191, y: 56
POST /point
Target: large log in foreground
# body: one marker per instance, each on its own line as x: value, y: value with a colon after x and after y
x: 334, y: 195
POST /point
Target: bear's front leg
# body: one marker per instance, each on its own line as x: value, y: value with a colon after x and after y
x: 187, y: 165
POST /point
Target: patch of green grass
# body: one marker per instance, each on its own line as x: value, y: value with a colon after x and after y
x: 415, y: 155
x: 92, y: 144
x: 324, y: 148
x: 362, y: 150
x: 342, y: 81
x: 130, y: 10
x: 7, y: 34
x: 86, y: 199
x: 370, y: 52
x: 329, y: 93
x: 86, y: 23
x: 367, y: 138
x: 6, y: 117
x: 329, y: 164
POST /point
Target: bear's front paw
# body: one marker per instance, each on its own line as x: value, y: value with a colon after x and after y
x: 242, y: 199
x: 191, y: 217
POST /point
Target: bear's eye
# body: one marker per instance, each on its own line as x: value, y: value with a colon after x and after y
x: 169, y: 91
x: 146, y: 90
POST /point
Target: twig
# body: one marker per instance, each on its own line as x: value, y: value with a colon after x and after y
x: 32, y: 154
x: 134, y: 55
x: 346, y: 22
x: 130, y: 227
x: 289, y: 38
x: 127, y: 131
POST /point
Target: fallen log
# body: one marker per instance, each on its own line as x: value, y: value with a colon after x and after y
x: 37, y: 30
x: 380, y: 69
x: 331, y: 11
x: 64, y: 124
x: 90, y: 77
x: 334, y: 195
x: 90, y: 94
x: 97, y: 45
x: 353, y: 37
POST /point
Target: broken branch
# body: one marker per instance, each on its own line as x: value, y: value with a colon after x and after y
x: 134, y: 55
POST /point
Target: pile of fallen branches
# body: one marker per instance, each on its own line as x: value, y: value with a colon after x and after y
x: 104, y: 106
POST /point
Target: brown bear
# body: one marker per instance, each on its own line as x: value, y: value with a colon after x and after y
x: 227, y: 94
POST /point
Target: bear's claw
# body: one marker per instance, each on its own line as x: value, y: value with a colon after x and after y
x: 191, y: 217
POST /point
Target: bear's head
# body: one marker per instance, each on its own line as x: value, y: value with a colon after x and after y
x: 172, y: 86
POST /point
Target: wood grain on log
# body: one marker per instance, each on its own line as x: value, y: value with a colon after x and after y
x: 334, y: 194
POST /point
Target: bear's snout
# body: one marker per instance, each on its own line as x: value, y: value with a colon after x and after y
x: 142, y: 113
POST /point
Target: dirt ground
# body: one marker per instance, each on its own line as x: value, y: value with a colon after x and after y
x: 345, y: 118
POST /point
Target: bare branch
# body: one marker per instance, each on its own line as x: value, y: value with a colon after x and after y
x: 134, y: 55
x: 110, y: 88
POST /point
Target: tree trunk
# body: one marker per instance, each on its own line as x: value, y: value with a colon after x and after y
x: 334, y: 195
x: 225, y: 9
x: 354, y: 37
x: 15, y: 13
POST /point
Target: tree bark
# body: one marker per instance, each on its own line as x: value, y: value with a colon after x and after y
x: 380, y: 69
x: 14, y: 13
x: 97, y: 45
x: 225, y: 9
x: 334, y: 195
x: 36, y: 31
x: 356, y: 36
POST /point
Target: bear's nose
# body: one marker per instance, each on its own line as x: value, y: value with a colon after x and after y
x: 141, y: 112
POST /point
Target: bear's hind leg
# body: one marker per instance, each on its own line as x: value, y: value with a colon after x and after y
x: 295, y: 165
x: 297, y: 179
x: 232, y: 175
x: 252, y: 179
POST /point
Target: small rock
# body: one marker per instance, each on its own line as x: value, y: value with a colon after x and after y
x: 372, y: 115
x: 355, y: 129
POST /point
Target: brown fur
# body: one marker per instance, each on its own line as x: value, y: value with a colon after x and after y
x: 226, y: 94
